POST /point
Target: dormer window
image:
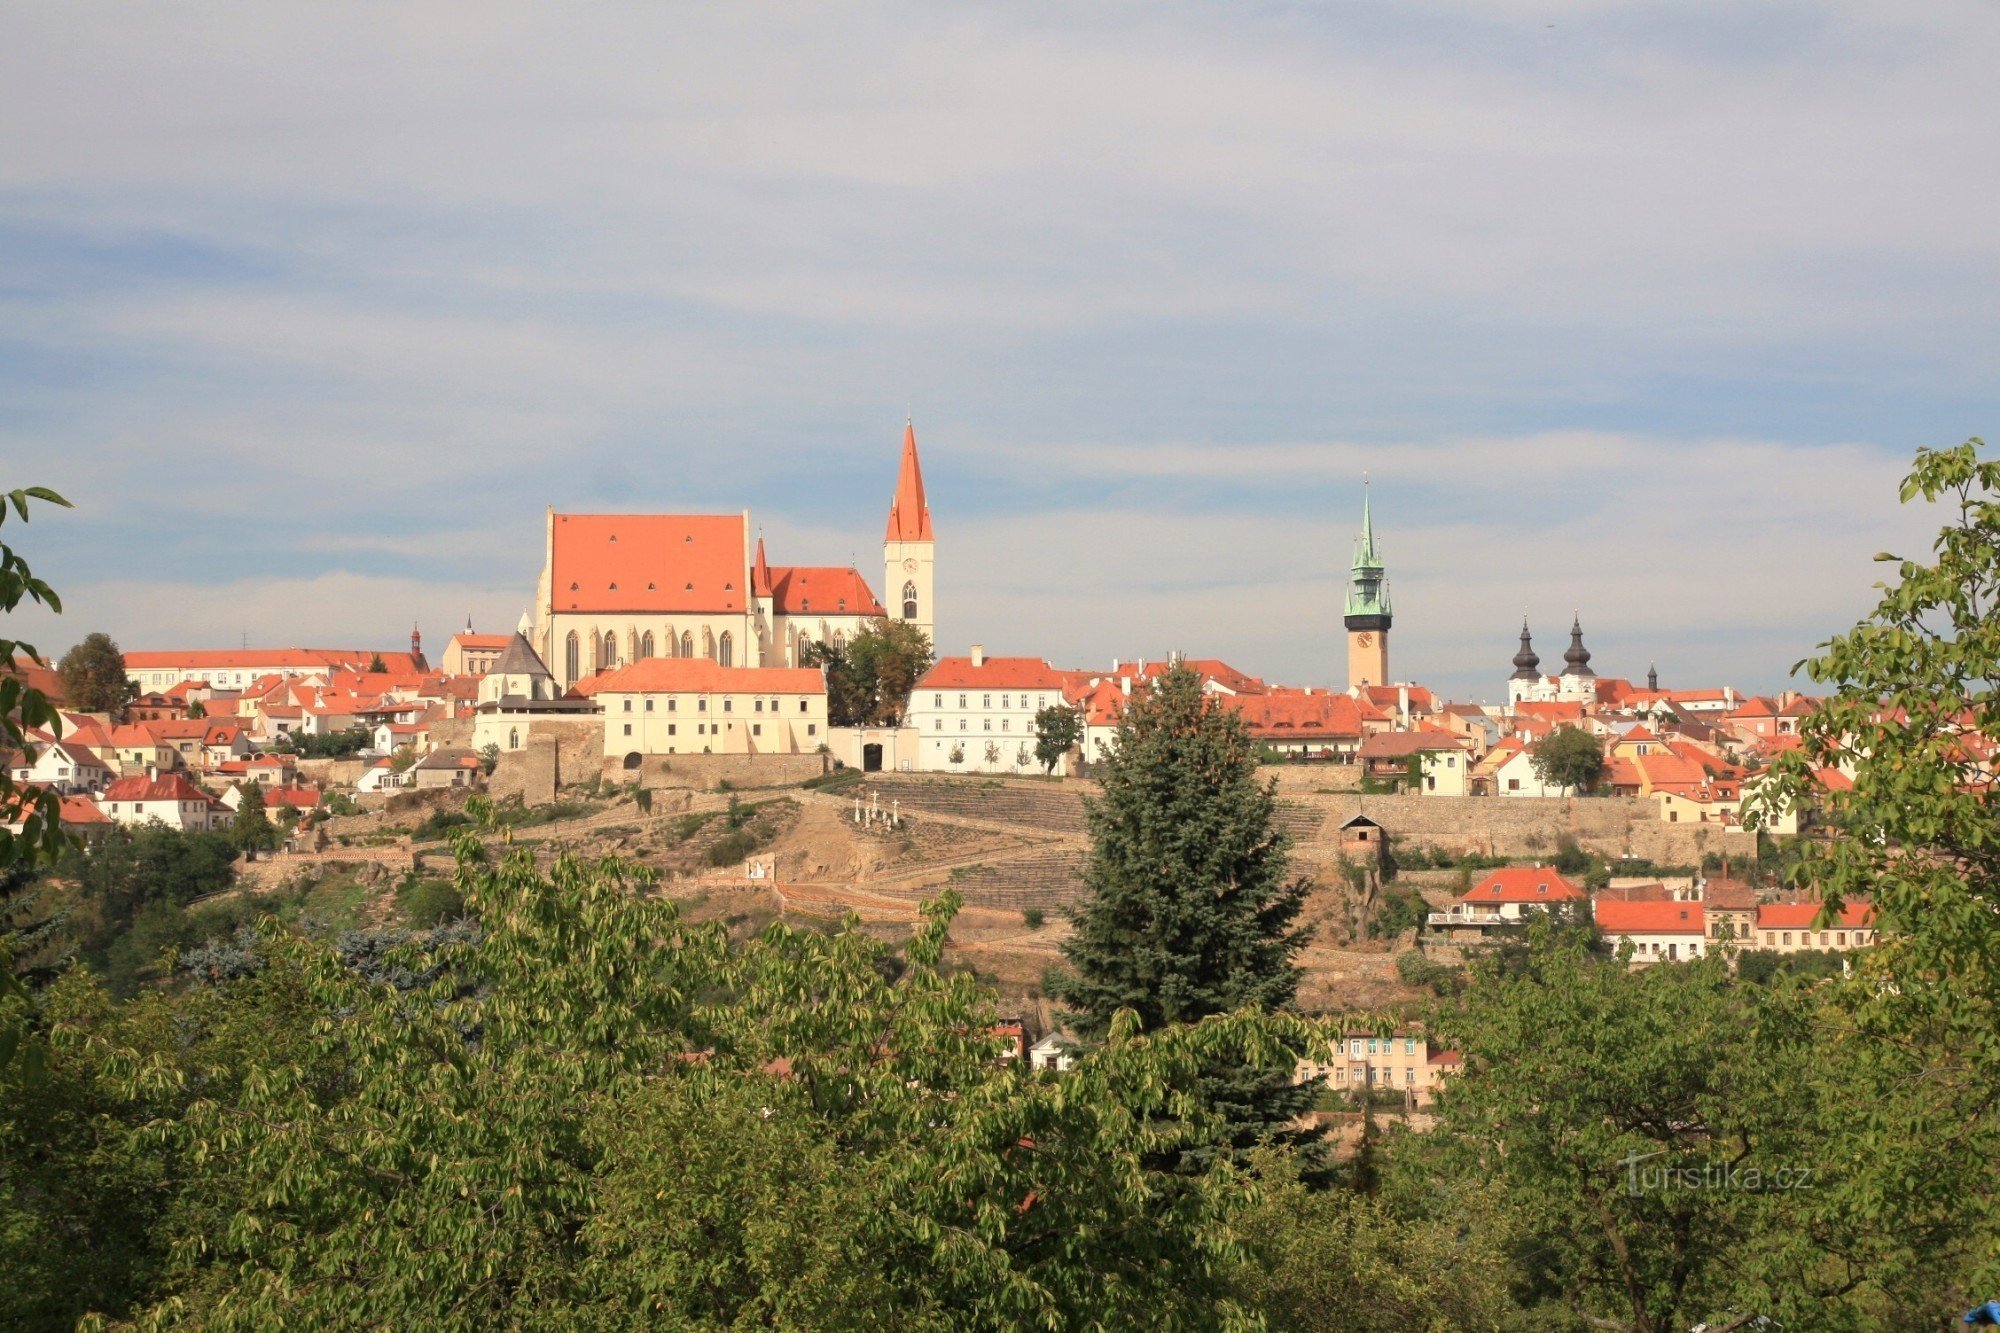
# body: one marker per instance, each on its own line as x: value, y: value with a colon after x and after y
x: 614, y: 587
x: 729, y: 587
x: 690, y: 587
x: 688, y: 538
x: 1541, y: 888
x: 573, y: 587
x: 649, y: 587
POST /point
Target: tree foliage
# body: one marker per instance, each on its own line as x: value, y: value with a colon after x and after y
x: 1189, y: 907
x: 93, y: 675
x: 252, y: 829
x: 594, y: 1112
x: 869, y: 678
x: 22, y: 707
x: 1568, y: 757
x: 1058, y: 730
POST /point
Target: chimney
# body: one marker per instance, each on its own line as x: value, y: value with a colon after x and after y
x: 979, y: 654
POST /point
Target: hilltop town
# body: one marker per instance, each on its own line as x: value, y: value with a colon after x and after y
x: 780, y: 740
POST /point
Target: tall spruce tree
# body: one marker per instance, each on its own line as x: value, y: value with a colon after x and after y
x: 1189, y: 909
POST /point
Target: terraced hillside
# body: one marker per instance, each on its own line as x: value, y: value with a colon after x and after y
x: 1041, y: 809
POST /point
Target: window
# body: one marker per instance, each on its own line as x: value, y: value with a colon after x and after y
x: 1788, y: 937
x: 756, y: 728
x: 701, y: 705
x: 671, y: 728
x: 673, y: 705
x: 985, y: 701
x: 687, y: 644
x: 939, y: 726
x: 961, y: 701
x: 610, y: 657
x: 628, y: 705
x: 760, y: 705
x: 937, y: 701
x: 570, y: 662
x: 628, y: 728
x: 910, y: 601
x: 1409, y: 1046
x: 649, y: 705
x: 726, y: 653
x: 646, y: 644
x: 961, y: 724
x: 802, y: 705
x: 812, y: 728
x: 728, y: 705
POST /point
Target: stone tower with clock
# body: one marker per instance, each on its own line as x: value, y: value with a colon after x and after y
x: 1368, y: 612
x: 909, y: 547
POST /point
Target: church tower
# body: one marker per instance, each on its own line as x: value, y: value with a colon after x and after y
x: 909, y: 547
x: 1367, y: 617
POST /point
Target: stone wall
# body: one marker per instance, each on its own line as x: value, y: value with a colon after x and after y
x: 333, y: 772
x: 452, y: 731
x: 704, y: 772
x: 1293, y: 779
x: 568, y: 752
x: 1526, y: 826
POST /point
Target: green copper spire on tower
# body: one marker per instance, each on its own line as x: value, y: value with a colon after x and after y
x: 1367, y: 586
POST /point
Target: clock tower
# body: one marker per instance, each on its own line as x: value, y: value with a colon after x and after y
x: 908, y: 547
x: 1368, y: 615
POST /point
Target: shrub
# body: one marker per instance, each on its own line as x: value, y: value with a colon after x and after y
x: 429, y: 902
x: 1032, y: 918
x: 732, y: 847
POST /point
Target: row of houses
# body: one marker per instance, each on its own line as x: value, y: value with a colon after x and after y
x: 1663, y: 923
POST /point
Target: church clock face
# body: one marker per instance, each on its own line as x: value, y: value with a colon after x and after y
x: 1365, y: 639
x: 910, y: 566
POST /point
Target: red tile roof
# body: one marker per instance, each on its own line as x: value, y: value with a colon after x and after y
x: 698, y: 675
x: 665, y: 563
x: 996, y: 673
x: 482, y: 641
x: 169, y: 787
x: 82, y: 810
x: 1523, y: 884
x: 826, y: 590
x: 1400, y: 744
x: 909, y: 512
x: 1805, y: 916
x: 1295, y: 715
x: 1615, y: 917
x: 301, y: 659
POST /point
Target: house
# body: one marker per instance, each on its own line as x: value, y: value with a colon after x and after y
x: 1366, y: 1062
x: 229, y: 668
x: 1509, y: 896
x: 690, y: 705
x: 381, y: 776
x: 1056, y: 1051
x: 1658, y: 931
x: 1362, y: 840
x: 470, y: 654
x: 61, y: 766
x: 976, y: 714
x: 1509, y: 770
x: 1391, y: 754
x: 448, y: 766
x: 1792, y: 927
x: 166, y: 797
x: 1730, y: 907
x: 135, y: 749
x: 1308, y: 723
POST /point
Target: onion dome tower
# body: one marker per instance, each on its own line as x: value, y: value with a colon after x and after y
x: 1527, y: 665
x: 1576, y: 655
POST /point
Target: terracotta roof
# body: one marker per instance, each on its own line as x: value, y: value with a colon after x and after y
x: 1649, y: 918
x: 909, y: 512
x: 698, y: 675
x: 667, y: 563
x: 299, y: 798
x: 1523, y: 884
x: 1289, y: 715
x: 1805, y: 916
x: 82, y: 810
x: 1400, y: 744
x: 996, y: 673
x: 303, y: 659
x: 1729, y: 895
x: 481, y: 641
x: 826, y: 590
x: 170, y: 787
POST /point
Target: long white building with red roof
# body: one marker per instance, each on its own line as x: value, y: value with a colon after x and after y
x: 233, y: 668
x: 621, y: 588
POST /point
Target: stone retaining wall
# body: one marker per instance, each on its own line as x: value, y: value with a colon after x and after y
x: 1521, y: 826
x: 706, y: 772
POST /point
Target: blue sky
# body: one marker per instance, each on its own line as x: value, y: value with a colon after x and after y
x: 1637, y: 310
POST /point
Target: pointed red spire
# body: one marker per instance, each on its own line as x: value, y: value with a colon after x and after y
x: 760, y: 574
x: 909, y: 515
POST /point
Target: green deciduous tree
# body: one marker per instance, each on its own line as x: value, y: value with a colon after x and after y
x: 22, y: 707
x: 868, y: 681
x: 1058, y: 730
x: 252, y: 830
x: 587, y: 1111
x: 1914, y: 713
x: 1190, y: 909
x: 1568, y: 757
x: 93, y: 675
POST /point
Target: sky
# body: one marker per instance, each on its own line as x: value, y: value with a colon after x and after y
x: 1630, y: 311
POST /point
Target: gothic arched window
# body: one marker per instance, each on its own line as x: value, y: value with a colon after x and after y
x: 687, y: 643
x: 513, y: 738
x: 610, y: 658
x: 646, y: 644
x: 725, y: 652
x: 571, y: 659
x: 910, y: 601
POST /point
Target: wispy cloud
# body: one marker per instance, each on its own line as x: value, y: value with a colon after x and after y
x: 1636, y: 307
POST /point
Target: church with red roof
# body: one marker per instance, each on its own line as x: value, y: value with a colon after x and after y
x: 620, y: 588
